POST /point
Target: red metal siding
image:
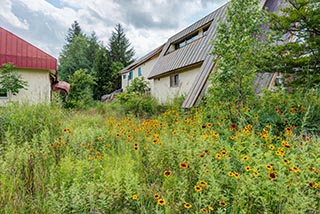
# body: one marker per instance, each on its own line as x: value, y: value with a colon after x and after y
x: 22, y: 54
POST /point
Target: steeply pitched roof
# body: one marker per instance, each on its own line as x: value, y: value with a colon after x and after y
x: 22, y: 54
x: 142, y: 60
x: 193, y: 53
x: 198, y: 52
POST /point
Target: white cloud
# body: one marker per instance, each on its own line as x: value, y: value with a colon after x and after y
x: 147, y: 23
x: 7, y: 14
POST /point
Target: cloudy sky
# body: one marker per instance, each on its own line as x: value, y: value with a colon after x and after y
x: 147, y: 23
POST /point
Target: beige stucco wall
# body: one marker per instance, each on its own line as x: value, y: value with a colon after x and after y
x: 145, y: 71
x: 165, y: 94
x: 38, y: 89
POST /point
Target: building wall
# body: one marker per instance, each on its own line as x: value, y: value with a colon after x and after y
x: 38, y: 89
x: 145, y: 71
x: 165, y: 94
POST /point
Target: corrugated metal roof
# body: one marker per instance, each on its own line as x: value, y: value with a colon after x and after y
x: 195, y: 52
x: 22, y: 54
x: 201, y: 82
x: 142, y: 60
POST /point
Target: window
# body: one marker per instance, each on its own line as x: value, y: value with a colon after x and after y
x: 174, y: 80
x: 205, y: 30
x: 124, y: 76
x: 130, y: 75
x: 187, y: 40
x: 3, y: 93
x: 139, y: 72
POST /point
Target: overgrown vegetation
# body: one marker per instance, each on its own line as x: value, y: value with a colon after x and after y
x: 195, y: 162
x: 137, y: 100
x: 237, y: 153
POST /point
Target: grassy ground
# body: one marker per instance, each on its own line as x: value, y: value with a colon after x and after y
x: 57, y: 161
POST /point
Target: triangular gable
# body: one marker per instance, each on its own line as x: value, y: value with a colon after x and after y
x: 22, y: 54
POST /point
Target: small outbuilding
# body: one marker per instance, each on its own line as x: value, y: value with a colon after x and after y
x: 36, y: 67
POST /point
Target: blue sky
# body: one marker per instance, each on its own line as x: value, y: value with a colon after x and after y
x: 147, y: 23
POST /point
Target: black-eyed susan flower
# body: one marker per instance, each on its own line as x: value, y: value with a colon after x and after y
x: 256, y: 173
x: 311, y: 184
x: 203, y: 183
x: 230, y: 174
x: 271, y: 146
x: 167, y: 173
x: 184, y: 165
x: 222, y: 203
x: 294, y: 169
x: 269, y: 166
x: 134, y: 197
x: 187, y: 205
x: 211, y: 208
x: 204, y: 210
x: 245, y: 158
x: 156, y: 196
x: 197, y: 188
x: 284, y: 143
x: 280, y: 152
x: 247, y: 168
x: 272, y: 175
x: 161, y: 202
x: 218, y: 156
x: 286, y: 161
x: 236, y: 175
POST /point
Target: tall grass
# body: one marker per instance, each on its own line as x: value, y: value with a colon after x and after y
x: 194, y: 162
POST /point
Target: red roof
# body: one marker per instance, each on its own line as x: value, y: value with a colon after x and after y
x: 22, y: 54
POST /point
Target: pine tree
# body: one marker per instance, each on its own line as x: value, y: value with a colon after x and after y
x: 78, y: 52
x: 102, y: 73
x: 74, y: 31
x: 74, y: 56
x: 119, y: 47
x: 298, y: 52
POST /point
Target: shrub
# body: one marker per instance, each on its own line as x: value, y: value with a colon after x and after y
x: 81, y: 90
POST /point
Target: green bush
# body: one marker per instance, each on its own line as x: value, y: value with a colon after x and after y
x: 81, y: 90
x: 138, y: 104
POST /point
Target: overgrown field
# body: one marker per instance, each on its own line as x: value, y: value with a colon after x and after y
x: 202, y: 161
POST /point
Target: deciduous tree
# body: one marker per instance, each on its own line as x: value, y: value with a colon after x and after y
x: 237, y: 46
x: 10, y: 80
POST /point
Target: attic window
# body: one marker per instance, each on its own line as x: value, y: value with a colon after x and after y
x: 205, y: 30
x: 187, y: 40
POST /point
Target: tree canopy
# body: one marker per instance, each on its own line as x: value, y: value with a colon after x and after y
x: 297, y: 52
x: 236, y: 48
x: 120, y: 47
x: 102, y: 63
